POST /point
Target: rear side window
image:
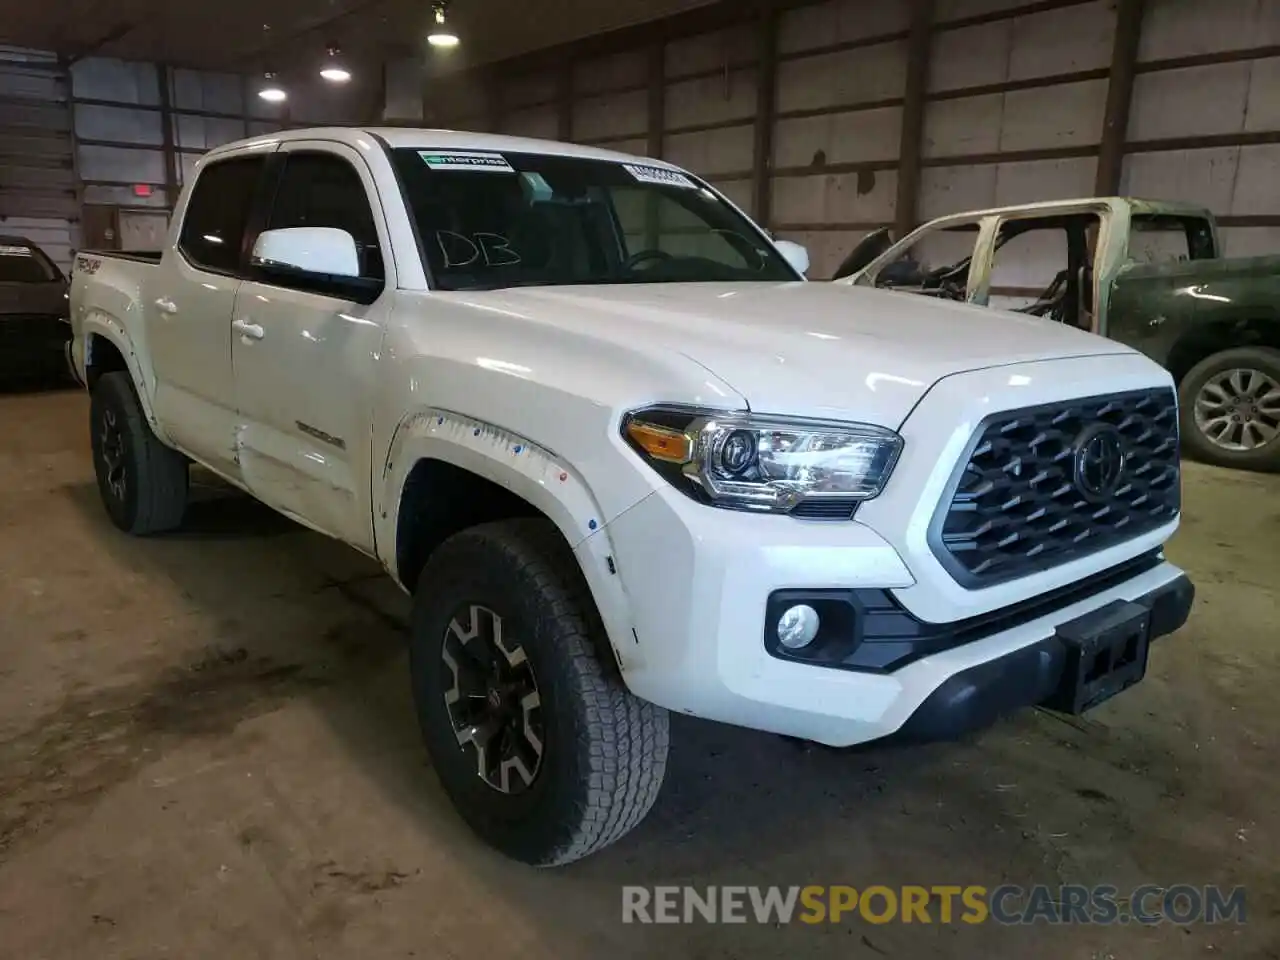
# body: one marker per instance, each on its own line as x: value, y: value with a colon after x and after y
x: 218, y: 213
x: 323, y: 190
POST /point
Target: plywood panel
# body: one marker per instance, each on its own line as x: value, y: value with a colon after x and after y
x: 711, y: 99
x: 827, y: 248
x: 612, y: 114
x: 1190, y: 102
x: 528, y: 89
x: 1181, y: 28
x: 839, y: 21
x: 1257, y: 186
x: 711, y: 51
x: 1206, y: 177
x: 866, y: 74
x: 971, y: 57
x: 1065, y: 115
x: 946, y: 10
x: 709, y: 152
x: 1250, y: 241
x: 840, y: 198
x: 542, y: 122
x: 625, y: 69
x: 838, y: 138
x: 1263, y: 109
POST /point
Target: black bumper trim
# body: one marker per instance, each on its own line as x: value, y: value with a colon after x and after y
x: 869, y: 631
x: 979, y: 696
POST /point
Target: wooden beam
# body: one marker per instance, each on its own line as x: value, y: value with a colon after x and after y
x: 657, y: 98
x: 1115, y: 121
x: 913, y: 104
x: 766, y: 108
x: 564, y: 102
x: 163, y: 76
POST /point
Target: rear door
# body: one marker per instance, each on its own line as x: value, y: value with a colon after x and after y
x: 188, y: 302
x: 304, y: 370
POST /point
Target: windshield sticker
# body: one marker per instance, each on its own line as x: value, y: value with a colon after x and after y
x: 660, y: 176
x: 15, y: 251
x: 494, y: 162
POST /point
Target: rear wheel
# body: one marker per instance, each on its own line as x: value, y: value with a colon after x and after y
x: 142, y: 482
x: 1230, y: 406
x: 535, y: 738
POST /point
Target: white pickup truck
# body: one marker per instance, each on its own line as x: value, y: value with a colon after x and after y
x: 628, y: 461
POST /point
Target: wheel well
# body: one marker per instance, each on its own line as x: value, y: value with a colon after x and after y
x: 1203, y: 342
x: 102, y: 356
x: 439, y: 500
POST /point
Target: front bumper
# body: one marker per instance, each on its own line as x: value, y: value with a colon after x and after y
x: 699, y: 580
x: 976, y: 697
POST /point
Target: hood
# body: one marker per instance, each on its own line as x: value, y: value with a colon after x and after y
x: 807, y: 349
x: 42, y: 299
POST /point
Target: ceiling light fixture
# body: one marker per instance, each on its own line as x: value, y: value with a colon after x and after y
x: 441, y: 35
x: 271, y: 91
x: 333, y: 70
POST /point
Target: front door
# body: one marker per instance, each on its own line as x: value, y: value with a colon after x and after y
x: 304, y: 359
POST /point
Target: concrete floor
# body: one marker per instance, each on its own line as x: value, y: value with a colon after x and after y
x: 207, y: 750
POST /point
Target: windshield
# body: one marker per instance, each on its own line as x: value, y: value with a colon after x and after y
x: 490, y: 220
x: 23, y: 263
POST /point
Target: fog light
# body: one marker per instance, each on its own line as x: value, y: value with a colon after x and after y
x: 798, y: 626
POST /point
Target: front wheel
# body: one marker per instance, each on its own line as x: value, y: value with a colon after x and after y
x: 1230, y: 405
x: 535, y: 738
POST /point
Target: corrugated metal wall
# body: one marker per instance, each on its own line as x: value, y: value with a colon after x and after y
x: 1013, y: 111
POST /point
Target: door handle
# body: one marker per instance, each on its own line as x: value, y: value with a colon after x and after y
x: 248, y: 331
x: 165, y: 305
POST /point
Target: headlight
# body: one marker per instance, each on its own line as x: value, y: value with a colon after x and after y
x: 810, y: 468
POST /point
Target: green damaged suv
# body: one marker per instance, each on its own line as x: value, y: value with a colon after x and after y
x: 1148, y: 274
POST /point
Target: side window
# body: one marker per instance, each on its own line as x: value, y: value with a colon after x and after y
x: 218, y: 213
x: 323, y: 190
x: 1027, y: 265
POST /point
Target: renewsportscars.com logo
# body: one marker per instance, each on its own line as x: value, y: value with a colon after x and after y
x: 945, y: 904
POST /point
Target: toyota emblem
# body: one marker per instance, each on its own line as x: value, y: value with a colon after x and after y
x: 1099, y: 461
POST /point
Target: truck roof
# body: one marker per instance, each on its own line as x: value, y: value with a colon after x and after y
x: 1133, y: 203
x: 431, y: 139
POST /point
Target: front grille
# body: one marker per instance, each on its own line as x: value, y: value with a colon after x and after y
x: 1018, y: 506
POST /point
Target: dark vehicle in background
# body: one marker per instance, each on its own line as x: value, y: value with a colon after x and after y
x: 35, y: 326
x: 1149, y: 274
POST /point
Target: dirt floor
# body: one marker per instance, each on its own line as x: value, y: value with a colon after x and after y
x: 207, y: 750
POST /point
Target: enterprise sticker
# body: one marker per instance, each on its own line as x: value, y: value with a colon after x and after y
x: 660, y: 176
x: 15, y: 251
x: 436, y: 160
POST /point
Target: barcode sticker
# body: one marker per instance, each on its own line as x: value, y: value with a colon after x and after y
x: 659, y: 175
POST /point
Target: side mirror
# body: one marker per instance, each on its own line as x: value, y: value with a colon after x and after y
x: 326, y: 251
x: 794, y: 254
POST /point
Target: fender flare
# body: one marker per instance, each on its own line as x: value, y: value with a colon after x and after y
x: 536, y: 475
x: 110, y: 329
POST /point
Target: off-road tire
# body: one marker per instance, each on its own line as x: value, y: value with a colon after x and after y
x: 604, y: 751
x: 156, y: 477
x: 1263, y: 359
